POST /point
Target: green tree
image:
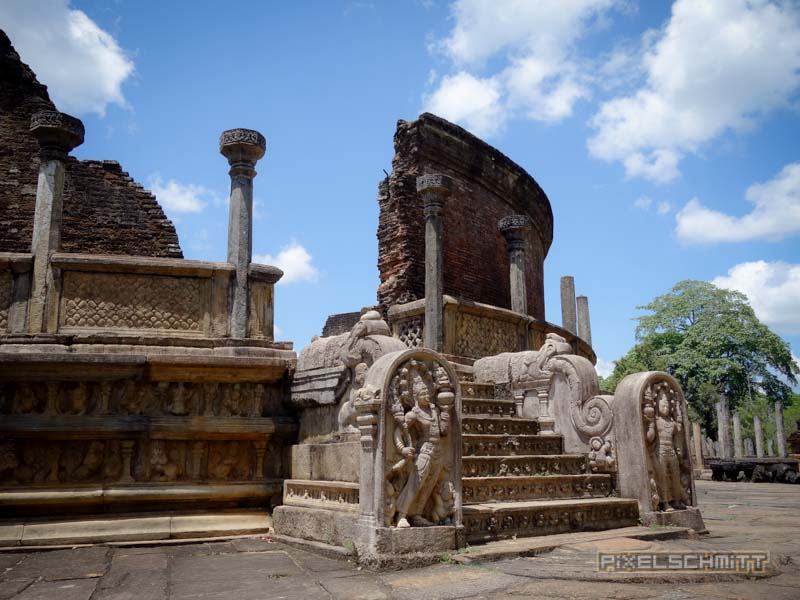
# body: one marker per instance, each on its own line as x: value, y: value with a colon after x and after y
x: 711, y: 341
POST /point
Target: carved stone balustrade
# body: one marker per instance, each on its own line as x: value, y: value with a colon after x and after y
x: 473, y: 330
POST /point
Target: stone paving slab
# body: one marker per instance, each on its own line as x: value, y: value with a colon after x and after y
x: 740, y: 516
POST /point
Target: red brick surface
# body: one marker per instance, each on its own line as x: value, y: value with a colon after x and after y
x: 488, y: 186
x: 105, y: 211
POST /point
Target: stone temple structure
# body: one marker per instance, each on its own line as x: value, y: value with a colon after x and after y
x: 135, y: 382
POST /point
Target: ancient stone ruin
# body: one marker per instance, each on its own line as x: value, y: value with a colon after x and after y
x: 452, y: 412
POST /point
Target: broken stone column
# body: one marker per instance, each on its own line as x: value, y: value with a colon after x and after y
x: 759, y: 433
x: 738, y: 451
x: 243, y: 148
x: 514, y: 229
x: 780, y: 436
x: 584, y: 325
x: 57, y: 134
x: 770, y: 447
x: 749, y: 449
x: 568, y: 304
x: 434, y: 189
x: 697, y: 444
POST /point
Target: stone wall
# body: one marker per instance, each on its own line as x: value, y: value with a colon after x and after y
x: 105, y: 210
x: 488, y: 187
x: 340, y: 323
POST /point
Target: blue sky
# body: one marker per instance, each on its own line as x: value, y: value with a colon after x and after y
x: 665, y: 134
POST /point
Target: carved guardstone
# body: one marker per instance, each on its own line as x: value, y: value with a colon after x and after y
x: 653, y: 452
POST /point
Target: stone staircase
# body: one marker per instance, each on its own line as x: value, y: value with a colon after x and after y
x: 517, y: 482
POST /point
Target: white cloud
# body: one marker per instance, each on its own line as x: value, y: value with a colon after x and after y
x: 663, y: 208
x: 715, y: 67
x: 776, y: 214
x: 773, y: 289
x: 177, y: 197
x: 646, y: 203
x: 295, y: 262
x: 643, y: 202
x: 82, y: 65
x: 468, y: 100
x: 539, y: 75
x: 604, y: 367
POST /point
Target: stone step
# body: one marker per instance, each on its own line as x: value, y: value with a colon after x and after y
x: 476, y: 490
x: 500, y: 520
x: 534, y: 464
x: 488, y: 407
x: 510, y: 445
x: 472, y: 389
x: 498, y: 425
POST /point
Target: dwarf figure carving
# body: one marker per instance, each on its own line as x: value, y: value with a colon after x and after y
x: 663, y: 435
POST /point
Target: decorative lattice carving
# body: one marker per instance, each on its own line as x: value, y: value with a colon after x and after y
x: 5, y: 298
x: 478, y: 336
x: 130, y: 301
x: 409, y: 332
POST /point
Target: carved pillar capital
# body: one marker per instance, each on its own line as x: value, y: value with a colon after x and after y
x: 514, y: 229
x: 57, y: 133
x: 243, y: 148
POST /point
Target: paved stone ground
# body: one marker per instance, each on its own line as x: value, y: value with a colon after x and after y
x: 739, y: 515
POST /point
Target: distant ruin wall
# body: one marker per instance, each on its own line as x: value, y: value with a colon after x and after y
x: 105, y: 211
x: 488, y: 187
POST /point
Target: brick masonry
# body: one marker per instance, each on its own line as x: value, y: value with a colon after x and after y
x: 488, y: 186
x: 105, y: 210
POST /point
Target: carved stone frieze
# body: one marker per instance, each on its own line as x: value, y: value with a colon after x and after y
x: 334, y: 495
x: 525, y: 521
x: 503, y: 489
x: 478, y: 336
x: 509, y: 445
x: 499, y: 466
x: 128, y: 397
x: 132, y: 301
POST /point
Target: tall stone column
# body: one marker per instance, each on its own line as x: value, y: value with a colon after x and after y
x: 584, y: 325
x: 759, y: 433
x: 780, y: 435
x: 57, y: 134
x: 738, y: 450
x: 435, y: 189
x: 568, y: 318
x: 724, y: 428
x: 514, y: 228
x: 243, y: 148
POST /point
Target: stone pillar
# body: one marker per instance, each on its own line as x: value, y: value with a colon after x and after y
x: 584, y: 325
x: 57, y: 134
x: 434, y: 189
x: 697, y: 444
x: 749, y: 449
x: 514, y: 228
x: 759, y: 433
x: 724, y: 428
x: 770, y: 447
x: 738, y: 450
x: 243, y: 148
x: 568, y: 304
x: 780, y: 436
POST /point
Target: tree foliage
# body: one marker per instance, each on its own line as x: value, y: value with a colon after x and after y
x: 711, y: 341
